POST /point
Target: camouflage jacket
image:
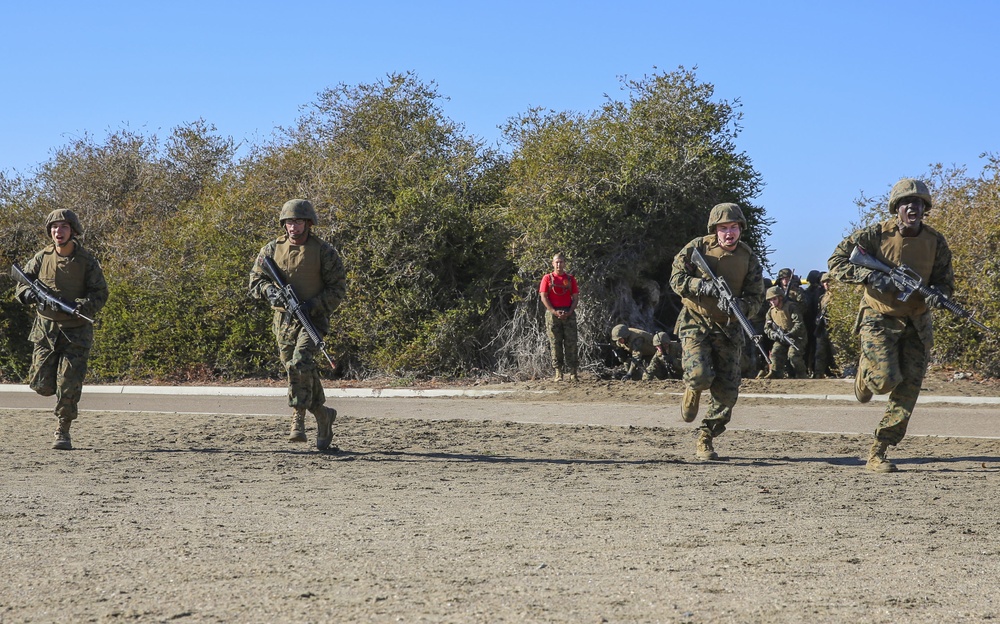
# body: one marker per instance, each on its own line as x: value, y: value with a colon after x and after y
x: 48, y: 324
x: 684, y: 280
x: 334, y: 280
x: 870, y: 239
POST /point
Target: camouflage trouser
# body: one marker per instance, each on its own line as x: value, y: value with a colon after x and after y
x: 782, y: 354
x: 305, y: 387
x: 58, y: 366
x: 893, y: 360
x: 562, y: 341
x: 711, y: 361
x: 824, y: 355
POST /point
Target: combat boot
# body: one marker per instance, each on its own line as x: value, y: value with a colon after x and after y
x: 573, y: 376
x: 558, y: 376
x: 861, y: 391
x: 774, y: 374
x: 705, y: 450
x: 325, y: 416
x: 689, y: 407
x: 63, y: 442
x: 298, y: 430
x: 877, y: 461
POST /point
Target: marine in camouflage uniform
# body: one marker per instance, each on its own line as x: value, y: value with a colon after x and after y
x: 896, y: 336
x: 790, y: 285
x: 785, y: 315
x: 712, y: 340
x: 824, y: 363
x: 63, y: 341
x: 639, y: 346
x: 666, y: 363
x: 315, y: 272
x: 558, y: 292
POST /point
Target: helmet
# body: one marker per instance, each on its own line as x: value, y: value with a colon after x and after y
x: 67, y: 215
x: 774, y: 291
x: 298, y: 209
x: 784, y: 274
x: 908, y: 187
x: 660, y: 338
x: 814, y: 276
x: 619, y: 331
x: 724, y: 213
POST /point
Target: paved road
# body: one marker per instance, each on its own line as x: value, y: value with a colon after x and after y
x: 958, y: 417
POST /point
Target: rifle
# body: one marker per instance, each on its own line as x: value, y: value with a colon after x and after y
x: 45, y: 296
x: 727, y: 302
x: 294, y: 306
x: 907, y: 281
x: 783, y: 336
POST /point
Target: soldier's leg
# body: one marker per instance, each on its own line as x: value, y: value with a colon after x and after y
x: 554, y: 330
x: 69, y: 380
x: 698, y: 372
x: 725, y: 387
x: 570, y: 349
x: 798, y: 361
x: 44, y: 369
x: 913, y: 367
x: 879, y: 364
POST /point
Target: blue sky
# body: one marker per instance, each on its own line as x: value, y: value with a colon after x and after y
x: 839, y: 98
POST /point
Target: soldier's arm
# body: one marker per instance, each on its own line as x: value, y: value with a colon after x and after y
x: 97, y: 289
x: 259, y: 281
x: 753, y: 287
x: 682, y: 280
x: 334, y: 280
x: 839, y: 263
x: 942, y: 275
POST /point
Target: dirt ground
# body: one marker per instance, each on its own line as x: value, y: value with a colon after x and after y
x: 174, y: 517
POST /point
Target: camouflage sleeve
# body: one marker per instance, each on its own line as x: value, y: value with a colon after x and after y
x: 684, y: 278
x: 942, y: 274
x: 334, y: 280
x: 259, y: 281
x: 753, y: 287
x: 769, y: 326
x: 30, y: 269
x: 839, y: 263
x: 798, y: 323
x: 97, y: 288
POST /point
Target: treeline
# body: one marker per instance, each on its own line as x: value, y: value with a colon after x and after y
x: 444, y: 237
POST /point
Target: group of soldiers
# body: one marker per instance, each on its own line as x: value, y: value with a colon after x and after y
x: 721, y: 285
x: 717, y: 276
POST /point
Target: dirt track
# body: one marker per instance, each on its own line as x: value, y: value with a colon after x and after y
x: 188, y: 518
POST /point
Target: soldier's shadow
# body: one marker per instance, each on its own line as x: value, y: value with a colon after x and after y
x: 984, y: 461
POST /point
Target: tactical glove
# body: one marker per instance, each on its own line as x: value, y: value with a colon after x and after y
x: 275, y: 296
x: 706, y: 288
x: 881, y: 282
x: 935, y: 299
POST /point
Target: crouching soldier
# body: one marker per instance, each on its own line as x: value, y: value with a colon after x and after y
x: 785, y: 325
x: 639, y: 346
x: 666, y: 364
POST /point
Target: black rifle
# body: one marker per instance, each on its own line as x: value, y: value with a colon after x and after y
x: 907, y: 282
x: 727, y: 302
x: 783, y: 336
x: 294, y: 306
x: 45, y: 296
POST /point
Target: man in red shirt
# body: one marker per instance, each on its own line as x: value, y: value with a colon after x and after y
x: 559, y: 295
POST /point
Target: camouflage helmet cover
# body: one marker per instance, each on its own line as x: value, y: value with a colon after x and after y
x: 298, y: 209
x: 725, y: 213
x: 774, y: 291
x: 619, y: 331
x: 67, y: 215
x: 908, y: 187
x: 660, y: 338
x: 784, y: 274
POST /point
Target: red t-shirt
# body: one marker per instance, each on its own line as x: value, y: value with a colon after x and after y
x: 560, y: 289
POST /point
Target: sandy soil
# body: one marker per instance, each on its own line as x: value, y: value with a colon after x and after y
x: 168, y: 517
